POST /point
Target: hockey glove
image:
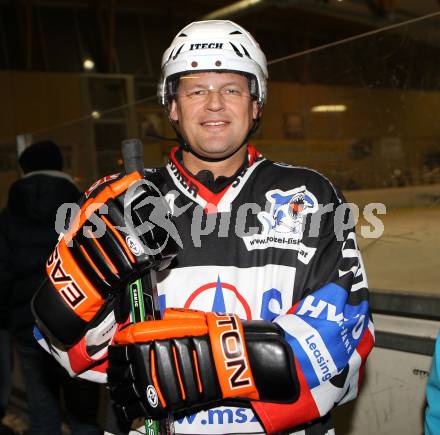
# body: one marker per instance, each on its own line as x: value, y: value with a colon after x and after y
x: 111, y: 242
x: 192, y: 359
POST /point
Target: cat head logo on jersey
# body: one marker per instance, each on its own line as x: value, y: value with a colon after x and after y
x: 288, y: 210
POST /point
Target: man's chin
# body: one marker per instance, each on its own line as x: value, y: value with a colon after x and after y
x: 217, y: 152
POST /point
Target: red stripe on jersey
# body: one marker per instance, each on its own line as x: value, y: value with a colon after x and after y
x: 81, y: 361
x: 253, y: 154
x: 293, y: 308
x: 78, y: 357
x: 101, y: 368
x: 363, y: 348
x: 279, y: 417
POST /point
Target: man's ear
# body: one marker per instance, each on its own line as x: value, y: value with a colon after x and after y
x: 174, y: 116
x: 256, y: 110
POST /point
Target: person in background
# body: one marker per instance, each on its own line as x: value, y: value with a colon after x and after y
x: 432, y: 416
x: 27, y: 236
x: 5, y: 366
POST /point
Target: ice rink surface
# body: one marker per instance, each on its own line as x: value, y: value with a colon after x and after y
x: 406, y: 257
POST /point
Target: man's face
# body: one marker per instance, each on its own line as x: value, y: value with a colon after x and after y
x: 214, y: 112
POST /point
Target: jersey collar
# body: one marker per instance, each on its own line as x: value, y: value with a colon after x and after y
x: 192, y: 187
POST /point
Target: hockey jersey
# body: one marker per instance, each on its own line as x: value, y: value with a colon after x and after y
x: 277, y: 244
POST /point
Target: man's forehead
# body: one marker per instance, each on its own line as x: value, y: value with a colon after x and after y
x: 215, y: 77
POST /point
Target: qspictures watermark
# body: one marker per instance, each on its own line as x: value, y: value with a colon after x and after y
x: 287, y: 226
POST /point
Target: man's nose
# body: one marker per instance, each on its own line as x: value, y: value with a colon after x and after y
x: 214, y: 101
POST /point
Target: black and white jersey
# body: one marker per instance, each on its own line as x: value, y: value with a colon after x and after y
x: 274, y: 244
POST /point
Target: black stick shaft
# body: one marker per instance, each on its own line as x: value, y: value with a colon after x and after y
x: 133, y: 154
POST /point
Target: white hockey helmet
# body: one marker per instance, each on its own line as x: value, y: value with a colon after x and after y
x: 214, y: 45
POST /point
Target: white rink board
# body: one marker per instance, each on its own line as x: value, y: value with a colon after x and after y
x: 392, y: 398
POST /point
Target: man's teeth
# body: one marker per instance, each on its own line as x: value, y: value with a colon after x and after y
x: 215, y: 123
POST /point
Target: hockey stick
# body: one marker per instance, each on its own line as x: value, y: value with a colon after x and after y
x: 143, y: 292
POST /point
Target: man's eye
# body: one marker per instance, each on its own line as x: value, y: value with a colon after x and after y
x: 197, y: 93
x: 231, y: 91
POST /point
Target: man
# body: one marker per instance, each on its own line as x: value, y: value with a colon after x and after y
x: 264, y: 242
x: 27, y: 237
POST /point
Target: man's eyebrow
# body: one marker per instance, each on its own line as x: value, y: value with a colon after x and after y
x: 206, y: 85
x: 232, y: 83
x: 192, y: 83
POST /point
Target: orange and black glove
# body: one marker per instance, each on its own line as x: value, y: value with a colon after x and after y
x: 192, y: 359
x: 111, y: 242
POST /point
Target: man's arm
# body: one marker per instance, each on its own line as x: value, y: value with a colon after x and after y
x: 88, y: 271
x: 329, y: 330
